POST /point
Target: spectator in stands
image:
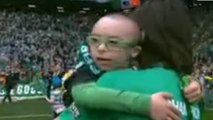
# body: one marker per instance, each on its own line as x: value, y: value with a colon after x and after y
x: 38, y: 39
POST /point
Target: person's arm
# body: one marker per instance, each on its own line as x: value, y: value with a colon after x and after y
x: 48, y: 100
x: 93, y: 96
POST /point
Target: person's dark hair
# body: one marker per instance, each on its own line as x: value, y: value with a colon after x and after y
x: 168, y: 35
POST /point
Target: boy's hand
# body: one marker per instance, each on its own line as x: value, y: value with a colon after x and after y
x: 162, y: 109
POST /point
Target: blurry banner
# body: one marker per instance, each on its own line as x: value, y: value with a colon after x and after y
x: 129, y: 3
x: 125, y: 4
x: 26, y: 91
x: 99, y: 1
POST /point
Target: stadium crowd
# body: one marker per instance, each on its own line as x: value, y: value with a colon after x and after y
x: 40, y: 40
x: 31, y: 41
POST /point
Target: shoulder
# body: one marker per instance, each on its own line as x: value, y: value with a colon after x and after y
x: 160, y: 71
x: 80, y: 75
x: 84, y: 74
x: 151, y: 73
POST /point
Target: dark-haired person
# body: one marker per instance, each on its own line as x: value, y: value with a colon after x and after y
x: 12, y: 80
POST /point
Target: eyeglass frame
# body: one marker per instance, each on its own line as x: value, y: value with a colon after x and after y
x: 121, y: 43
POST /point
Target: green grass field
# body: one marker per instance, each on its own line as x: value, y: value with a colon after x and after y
x: 26, y: 110
x: 208, y: 115
x: 40, y: 110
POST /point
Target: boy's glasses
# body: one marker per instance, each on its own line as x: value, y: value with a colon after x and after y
x: 110, y: 42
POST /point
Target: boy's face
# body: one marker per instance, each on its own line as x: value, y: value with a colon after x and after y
x: 112, y: 43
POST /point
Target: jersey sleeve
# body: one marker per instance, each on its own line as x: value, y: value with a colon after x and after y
x: 93, y: 96
x: 66, y: 115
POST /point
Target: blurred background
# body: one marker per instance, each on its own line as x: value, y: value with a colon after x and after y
x: 40, y: 37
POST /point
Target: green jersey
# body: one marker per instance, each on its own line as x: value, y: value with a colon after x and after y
x: 148, y: 81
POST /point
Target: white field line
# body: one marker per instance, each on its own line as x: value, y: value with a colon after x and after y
x: 25, y: 116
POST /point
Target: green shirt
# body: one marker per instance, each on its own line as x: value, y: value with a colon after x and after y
x: 90, y: 95
x: 148, y: 81
x: 67, y: 115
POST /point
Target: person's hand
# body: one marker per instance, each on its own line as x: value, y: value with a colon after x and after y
x: 162, y: 109
x: 193, y: 92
